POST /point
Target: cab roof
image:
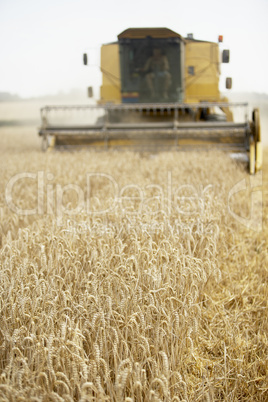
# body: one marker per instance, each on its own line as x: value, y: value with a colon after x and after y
x: 141, y: 33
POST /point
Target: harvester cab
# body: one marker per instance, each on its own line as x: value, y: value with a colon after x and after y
x: 151, y: 67
x: 159, y: 91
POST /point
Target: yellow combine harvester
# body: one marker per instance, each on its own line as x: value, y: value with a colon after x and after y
x: 159, y: 91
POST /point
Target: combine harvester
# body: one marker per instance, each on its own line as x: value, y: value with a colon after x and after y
x: 159, y: 91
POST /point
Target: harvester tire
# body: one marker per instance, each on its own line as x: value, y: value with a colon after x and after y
x: 216, y: 117
x: 257, y: 127
x: 44, y: 144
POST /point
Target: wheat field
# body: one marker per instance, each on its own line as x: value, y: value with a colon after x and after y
x: 134, y: 277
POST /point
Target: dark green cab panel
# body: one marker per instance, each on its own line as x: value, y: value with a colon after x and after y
x: 150, y: 70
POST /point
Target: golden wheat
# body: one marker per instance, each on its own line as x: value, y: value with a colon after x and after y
x: 134, y: 304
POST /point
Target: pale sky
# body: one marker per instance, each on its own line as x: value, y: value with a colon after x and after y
x: 42, y: 41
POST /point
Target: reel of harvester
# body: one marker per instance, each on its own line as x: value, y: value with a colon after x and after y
x: 152, y: 127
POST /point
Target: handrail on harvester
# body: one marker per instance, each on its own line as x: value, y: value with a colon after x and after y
x: 148, y: 108
x: 145, y: 106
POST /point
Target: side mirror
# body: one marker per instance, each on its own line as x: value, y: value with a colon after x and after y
x: 85, y: 59
x: 228, y: 83
x: 225, y: 56
x: 90, y: 92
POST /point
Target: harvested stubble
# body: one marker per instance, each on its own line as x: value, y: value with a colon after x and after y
x: 134, y: 307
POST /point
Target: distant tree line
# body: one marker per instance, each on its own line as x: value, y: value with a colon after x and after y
x: 7, y: 97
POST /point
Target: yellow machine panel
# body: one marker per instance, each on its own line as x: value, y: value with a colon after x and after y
x: 111, y: 83
x: 201, y: 71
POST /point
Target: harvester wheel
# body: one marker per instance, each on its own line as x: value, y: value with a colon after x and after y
x: 48, y: 143
x: 216, y: 117
x: 44, y: 144
x: 257, y: 127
